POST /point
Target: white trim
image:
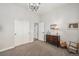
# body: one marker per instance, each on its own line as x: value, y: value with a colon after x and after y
x: 6, y: 49
x: 23, y: 43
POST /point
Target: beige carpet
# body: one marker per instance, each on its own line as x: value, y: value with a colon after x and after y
x: 36, y: 48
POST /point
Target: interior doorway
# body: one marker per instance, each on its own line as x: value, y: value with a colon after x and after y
x: 36, y: 31
x: 39, y: 31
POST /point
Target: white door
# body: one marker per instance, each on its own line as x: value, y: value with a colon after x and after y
x: 21, y: 32
x: 41, y: 31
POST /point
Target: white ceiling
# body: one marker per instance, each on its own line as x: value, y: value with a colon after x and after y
x: 46, y: 7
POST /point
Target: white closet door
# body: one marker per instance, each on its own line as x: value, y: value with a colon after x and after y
x: 41, y: 31
x: 21, y: 32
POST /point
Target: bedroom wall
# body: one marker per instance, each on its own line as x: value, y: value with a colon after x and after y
x: 8, y: 14
x: 63, y: 16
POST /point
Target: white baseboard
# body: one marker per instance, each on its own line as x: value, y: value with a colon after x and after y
x: 13, y: 46
x: 7, y: 49
x: 23, y: 43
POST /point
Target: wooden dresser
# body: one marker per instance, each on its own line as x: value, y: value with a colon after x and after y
x: 53, y: 39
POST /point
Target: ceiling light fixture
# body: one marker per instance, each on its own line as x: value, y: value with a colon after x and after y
x: 34, y: 6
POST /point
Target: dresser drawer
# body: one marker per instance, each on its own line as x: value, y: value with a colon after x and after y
x: 53, y: 39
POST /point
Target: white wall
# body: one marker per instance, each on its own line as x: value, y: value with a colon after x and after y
x: 8, y: 13
x: 63, y: 16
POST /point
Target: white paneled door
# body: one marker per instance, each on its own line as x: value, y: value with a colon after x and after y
x: 41, y: 31
x: 21, y: 32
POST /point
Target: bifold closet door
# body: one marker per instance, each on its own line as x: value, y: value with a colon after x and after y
x: 21, y: 32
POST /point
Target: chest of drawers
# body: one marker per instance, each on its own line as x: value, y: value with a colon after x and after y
x: 53, y: 39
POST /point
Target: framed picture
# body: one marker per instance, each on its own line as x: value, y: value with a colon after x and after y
x: 73, y: 25
x: 52, y: 26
